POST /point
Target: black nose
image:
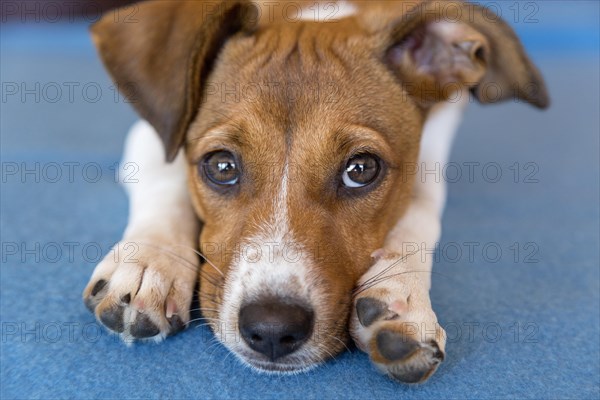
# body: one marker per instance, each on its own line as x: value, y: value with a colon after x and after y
x: 275, y: 328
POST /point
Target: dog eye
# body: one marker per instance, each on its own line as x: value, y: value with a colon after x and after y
x: 220, y: 168
x: 361, y: 170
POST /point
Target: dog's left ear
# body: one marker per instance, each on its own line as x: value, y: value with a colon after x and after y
x: 160, y: 56
x: 441, y: 46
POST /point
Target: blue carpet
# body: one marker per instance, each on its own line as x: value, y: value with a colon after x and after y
x: 523, y: 323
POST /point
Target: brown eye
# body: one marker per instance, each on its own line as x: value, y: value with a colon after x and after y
x: 221, y: 168
x: 361, y: 170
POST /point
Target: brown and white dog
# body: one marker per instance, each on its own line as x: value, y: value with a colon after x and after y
x: 291, y: 132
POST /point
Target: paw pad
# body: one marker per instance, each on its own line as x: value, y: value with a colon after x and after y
x: 143, y: 327
x: 369, y: 310
x: 394, y: 346
x: 112, y: 318
x: 405, y: 359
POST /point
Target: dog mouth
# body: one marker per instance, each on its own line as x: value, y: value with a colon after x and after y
x: 292, y: 350
x: 277, y: 316
x: 277, y: 367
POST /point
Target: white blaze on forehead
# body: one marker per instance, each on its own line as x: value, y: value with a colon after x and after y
x: 271, y: 263
x: 281, y: 223
x: 323, y: 11
x: 275, y: 236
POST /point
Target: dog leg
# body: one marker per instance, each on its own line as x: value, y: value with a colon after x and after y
x: 143, y: 288
x: 392, y: 319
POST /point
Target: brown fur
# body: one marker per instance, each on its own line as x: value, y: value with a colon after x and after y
x: 352, y: 97
x: 315, y: 134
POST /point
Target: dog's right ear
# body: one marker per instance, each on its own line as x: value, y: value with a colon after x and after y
x: 160, y: 56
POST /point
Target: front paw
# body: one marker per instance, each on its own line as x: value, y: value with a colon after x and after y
x: 143, y: 290
x: 394, y: 324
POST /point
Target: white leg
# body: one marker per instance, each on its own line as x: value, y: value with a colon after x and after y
x: 393, y: 319
x: 144, y: 287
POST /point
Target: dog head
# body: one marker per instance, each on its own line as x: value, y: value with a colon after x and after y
x: 297, y: 136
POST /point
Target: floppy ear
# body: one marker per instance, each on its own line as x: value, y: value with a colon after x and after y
x: 161, y: 56
x: 440, y: 46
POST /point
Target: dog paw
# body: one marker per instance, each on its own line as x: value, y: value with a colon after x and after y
x: 394, y: 324
x: 142, y: 290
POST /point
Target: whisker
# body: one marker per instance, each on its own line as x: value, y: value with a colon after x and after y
x: 177, y: 256
x: 408, y: 272
x: 386, y: 269
x: 338, y: 339
x: 227, y: 356
x: 201, y: 325
x: 167, y: 250
x: 204, y: 309
x: 198, y: 252
x: 384, y: 278
x: 215, y: 345
x: 210, y: 262
x: 214, y: 319
x: 322, y: 348
x: 197, y: 319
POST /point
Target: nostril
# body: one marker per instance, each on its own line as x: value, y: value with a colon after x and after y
x: 256, y: 338
x: 287, y: 340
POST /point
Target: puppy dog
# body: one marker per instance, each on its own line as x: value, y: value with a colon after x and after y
x: 276, y: 167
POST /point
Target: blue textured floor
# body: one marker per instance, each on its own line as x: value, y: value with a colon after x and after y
x: 546, y: 312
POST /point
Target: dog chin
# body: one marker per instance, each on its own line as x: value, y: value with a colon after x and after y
x: 275, y: 368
